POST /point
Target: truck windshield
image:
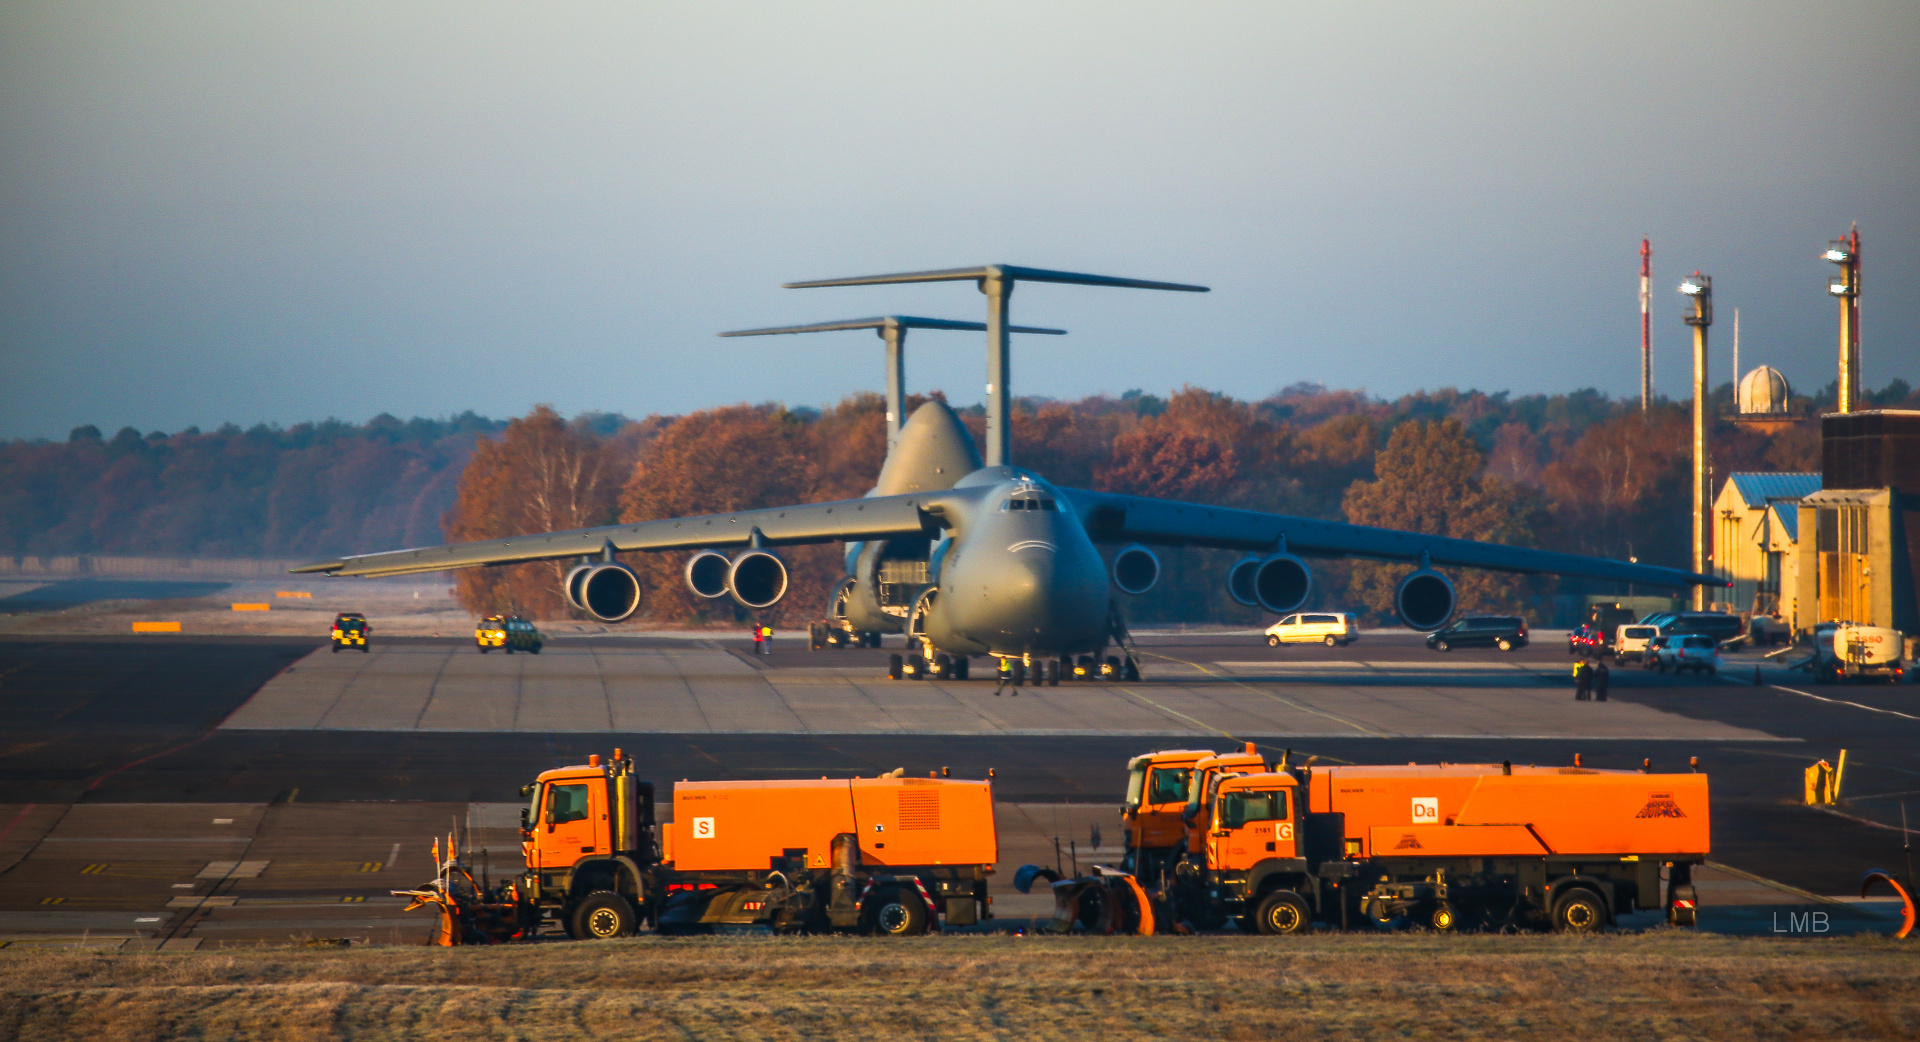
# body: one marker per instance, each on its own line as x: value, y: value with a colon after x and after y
x: 1169, y: 785
x: 1136, y: 782
x: 1239, y: 808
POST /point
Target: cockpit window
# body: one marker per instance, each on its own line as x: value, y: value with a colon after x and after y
x: 1029, y: 504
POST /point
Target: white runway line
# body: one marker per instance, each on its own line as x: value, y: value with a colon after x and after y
x: 1843, y: 702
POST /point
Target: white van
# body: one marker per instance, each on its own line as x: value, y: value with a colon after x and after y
x: 1327, y: 627
x: 1630, y: 642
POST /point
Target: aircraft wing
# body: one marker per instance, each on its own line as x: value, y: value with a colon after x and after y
x: 1116, y: 518
x: 878, y: 517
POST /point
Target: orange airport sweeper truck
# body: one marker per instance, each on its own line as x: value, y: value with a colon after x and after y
x: 893, y: 855
x: 1445, y: 846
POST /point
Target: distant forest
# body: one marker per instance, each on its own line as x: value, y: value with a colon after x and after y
x: 1579, y: 472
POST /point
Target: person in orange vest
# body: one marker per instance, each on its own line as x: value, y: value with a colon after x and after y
x: 759, y: 639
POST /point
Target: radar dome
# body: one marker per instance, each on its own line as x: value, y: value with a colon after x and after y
x: 1764, y: 392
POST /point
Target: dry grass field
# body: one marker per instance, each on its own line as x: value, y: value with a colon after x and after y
x: 1651, y: 986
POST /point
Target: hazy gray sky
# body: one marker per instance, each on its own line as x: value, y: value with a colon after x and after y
x: 257, y: 211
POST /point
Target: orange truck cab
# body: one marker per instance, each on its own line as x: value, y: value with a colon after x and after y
x: 891, y: 855
x: 1207, y: 774
x: 1446, y: 846
x: 1157, y: 785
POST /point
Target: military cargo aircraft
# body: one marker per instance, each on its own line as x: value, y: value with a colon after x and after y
x: 971, y: 558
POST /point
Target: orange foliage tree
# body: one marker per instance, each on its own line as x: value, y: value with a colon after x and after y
x: 1430, y: 480
x: 541, y: 475
x: 740, y: 458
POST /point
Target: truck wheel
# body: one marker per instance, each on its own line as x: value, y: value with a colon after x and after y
x: 1444, y: 918
x: 1331, y: 641
x: 602, y: 916
x: 895, y: 913
x: 1282, y: 912
x: 1579, y: 911
x: 536, y: 649
x: 336, y: 649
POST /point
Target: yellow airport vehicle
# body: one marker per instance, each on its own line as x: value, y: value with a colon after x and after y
x: 350, y: 630
x: 509, y: 633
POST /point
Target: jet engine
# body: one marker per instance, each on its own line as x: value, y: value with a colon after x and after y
x: 1240, y: 580
x: 757, y: 579
x: 1135, y: 569
x: 1280, y: 582
x: 707, y: 573
x: 608, y: 592
x: 1424, y: 600
x: 571, y: 585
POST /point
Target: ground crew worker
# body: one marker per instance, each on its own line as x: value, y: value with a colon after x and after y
x: 759, y: 639
x: 764, y: 636
x: 1600, y: 674
x: 1582, y: 680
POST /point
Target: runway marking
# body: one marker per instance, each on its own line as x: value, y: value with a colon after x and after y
x: 1203, y: 725
x: 1843, y: 702
x: 17, y: 819
x: 1269, y: 694
x: 393, y: 855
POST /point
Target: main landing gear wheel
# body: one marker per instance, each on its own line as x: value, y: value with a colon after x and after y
x: 604, y: 915
x: 1051, y: 671
x: 1110, y: 669
x: 1282, y: 912
x: 1130, y: 670
x: 896, y: 667
x: 1084, y: 669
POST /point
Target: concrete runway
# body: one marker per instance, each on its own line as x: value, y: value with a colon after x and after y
x: 189, y: 791
x: 586, y: 686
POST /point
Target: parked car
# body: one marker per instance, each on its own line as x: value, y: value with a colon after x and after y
x: 1718, y: 625
x: 1763, y: 630
x: 350, y: 630
x: 1587, y: 640
x: 1630, y: 642
x: 1695, y: 652
x: 1327, y: 627
x: 1505, y: 632
x: 1657, y: 643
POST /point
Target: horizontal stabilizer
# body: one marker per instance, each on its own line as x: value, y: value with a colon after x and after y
x: 883, y: 321
x: 1001, y: 271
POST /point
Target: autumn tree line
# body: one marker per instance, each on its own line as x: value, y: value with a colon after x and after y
x: 1579, y: 472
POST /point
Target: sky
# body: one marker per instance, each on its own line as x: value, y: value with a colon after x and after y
x: 275, y: 212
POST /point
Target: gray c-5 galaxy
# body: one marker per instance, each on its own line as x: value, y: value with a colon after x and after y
x: 971, y: 557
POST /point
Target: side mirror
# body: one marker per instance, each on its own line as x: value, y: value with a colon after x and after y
x: 524, y: 823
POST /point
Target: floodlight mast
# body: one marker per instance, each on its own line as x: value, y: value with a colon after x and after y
x: 893, y: 330
x: 996, y: 281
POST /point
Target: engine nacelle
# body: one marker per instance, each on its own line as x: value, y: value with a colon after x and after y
x: 1240, y: 581
x: 757, y: 579
x: 571, y: 585
x: 608, y: 592
x: 707, y: 574
x: 1135, y: 570
x: 1281, y: 583
x: 1424, y: 600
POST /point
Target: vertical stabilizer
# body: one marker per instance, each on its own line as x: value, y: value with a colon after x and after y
x: 934, y: 451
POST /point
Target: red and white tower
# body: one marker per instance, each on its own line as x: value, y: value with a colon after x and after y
x: 1646, y: 327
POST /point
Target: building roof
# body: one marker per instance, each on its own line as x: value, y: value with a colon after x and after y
x: 1756, y: 489
x: 1789, y: 521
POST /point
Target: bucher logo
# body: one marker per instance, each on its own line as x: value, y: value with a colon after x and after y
x: 1408, y: 841
x: 1661, y: 805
